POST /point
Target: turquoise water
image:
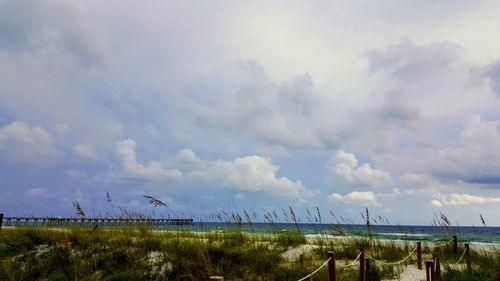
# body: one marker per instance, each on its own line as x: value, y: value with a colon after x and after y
x: 472, y: 234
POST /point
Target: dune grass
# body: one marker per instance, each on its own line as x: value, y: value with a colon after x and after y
x: 141, y: 253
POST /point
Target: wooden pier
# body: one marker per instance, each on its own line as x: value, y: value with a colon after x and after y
x: 62, y: 222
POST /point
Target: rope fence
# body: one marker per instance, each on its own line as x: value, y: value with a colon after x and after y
x: 432, y: 267
x: 353, y: 262
x: 445, y: 243
x: 394, y: 263
x: 314, y: 272
x: 462, y: 256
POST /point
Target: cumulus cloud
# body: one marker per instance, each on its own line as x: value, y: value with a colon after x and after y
x: 251, y: 173
x: 492, y: 74
x: 85, y: 152
x: 436, y: 203
x: 290, y: 113
x: 187, y: 156
x: 465, y: 199
x: 23, y: 144
x: 367, y: 198
x: 475, y: 159
x: 154, y: 170
x: 247, y: 173
x: 407, y: 61
x: 45, y: 27
x: 345, y: 166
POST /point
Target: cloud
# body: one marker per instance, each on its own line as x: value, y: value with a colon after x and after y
x: 46, y: 27
x: 367, y: 198
x: 475, y: 158
x: 38, y: 192
x: 436, y: 203
x: 85, y: 152
x: 22, y: 144
x: 465, y: 199
x: 407, y: 61
x: 156, y: 171
x: 290, y: 113
x: 187, y: 156
x: 250, y: 173
x: 247, y: 173
x: 345, y: 166
x: 492, y: 74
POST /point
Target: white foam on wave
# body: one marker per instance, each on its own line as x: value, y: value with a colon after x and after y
x: 404, y: 234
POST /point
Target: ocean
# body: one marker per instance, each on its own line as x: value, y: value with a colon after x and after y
x: 466, y: 234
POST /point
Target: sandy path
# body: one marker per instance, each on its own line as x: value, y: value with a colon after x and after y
x: 410, y: 273
x: 297, y: 251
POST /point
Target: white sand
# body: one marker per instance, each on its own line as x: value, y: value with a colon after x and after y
x: 297, y: 251
x: 410, y: 273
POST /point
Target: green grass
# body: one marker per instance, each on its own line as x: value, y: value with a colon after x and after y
x: 139, y: 253
x: 142, y: 254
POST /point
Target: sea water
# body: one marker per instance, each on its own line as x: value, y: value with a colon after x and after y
x: 471, y: 234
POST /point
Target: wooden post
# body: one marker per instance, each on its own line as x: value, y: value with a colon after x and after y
x: 362, y: 275
x: 217, y: 278
x: 301, y: 260
x: 437, y: 266
x: 419, y: 255
x: 467, y: 257
x: 367, y: 270
x: 331, y: 267
x: 1, y: 220
x: 429, y: 270
x: 455, y: 244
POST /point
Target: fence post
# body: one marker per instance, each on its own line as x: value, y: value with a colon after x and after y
x: 437, y: 266
x: 419, y: 255
x: 368, y: 270
x: 467, y: 257
x: 1, y: 220
x: 429, y: 270
x: 455, y: 244
x: 362, y: 275
x: 217, y: 278
x: 301, y: 260
x: 331, y: 266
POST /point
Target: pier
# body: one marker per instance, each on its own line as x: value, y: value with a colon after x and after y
x: 62, y: 222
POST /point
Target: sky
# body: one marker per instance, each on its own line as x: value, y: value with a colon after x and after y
x: 392, y: 106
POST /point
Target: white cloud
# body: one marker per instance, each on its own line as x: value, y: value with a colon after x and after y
x: 290, y: 113
x: 187, y: 156
x: 38, y: 192
x: 20, y: 143
x: 475, y: 158
x: 345, y: 165
x: 85, y: 151
x: 367, y: 198
x: 436, y: 203
x: 251, y: 173
x: 154, y: 170
x: 466, y: 199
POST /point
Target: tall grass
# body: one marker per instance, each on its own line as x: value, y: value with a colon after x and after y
x: 242, y: 247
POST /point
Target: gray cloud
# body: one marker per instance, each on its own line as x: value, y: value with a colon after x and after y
x: 492, y: 75
x: 44, y: 27
x: 290, y: 113
x: 407, y: 61
x: 22, y: 144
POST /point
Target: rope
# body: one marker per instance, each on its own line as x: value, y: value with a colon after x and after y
x: 463, y: 254
x: 352, y: 263
x: 325, y: 263
x: 314, y: 272
x: 443, y: 244
x: 393, y: 263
